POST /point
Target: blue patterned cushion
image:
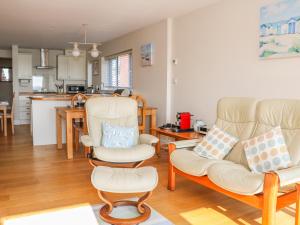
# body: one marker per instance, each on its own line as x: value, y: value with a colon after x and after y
x: 117, y: 136
x: 267, y: 152
x: 216, y: 144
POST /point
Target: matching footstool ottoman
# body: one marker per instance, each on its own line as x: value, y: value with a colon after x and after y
x: 124, y: 180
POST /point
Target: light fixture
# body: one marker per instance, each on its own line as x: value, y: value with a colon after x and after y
x: 76, y: 51
x: 94, y: 51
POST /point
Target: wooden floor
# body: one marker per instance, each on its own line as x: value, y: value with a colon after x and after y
x: 39, y: 178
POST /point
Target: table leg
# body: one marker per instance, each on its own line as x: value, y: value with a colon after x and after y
x: 5, y: 122
x: 58, y: 131
x: 69, y: 121
x: 153, y: 122
x: 157, y: 147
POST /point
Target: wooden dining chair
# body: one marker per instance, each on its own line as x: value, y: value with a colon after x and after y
x: 142, y: 104
x: 9, y: 115
x: 78, y: 125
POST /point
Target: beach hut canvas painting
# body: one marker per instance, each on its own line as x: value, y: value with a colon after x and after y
x: 280, y: 29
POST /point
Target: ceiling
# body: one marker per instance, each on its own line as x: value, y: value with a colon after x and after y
x: 53, y: 23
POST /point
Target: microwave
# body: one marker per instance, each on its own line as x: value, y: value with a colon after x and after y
x: 75, y: 88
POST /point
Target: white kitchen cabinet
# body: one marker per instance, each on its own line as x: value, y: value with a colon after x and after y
x: 62, y: 67
x: 24, y: 66
x: 24, y: 110
x: 71, y: 68
x: 77, y: 69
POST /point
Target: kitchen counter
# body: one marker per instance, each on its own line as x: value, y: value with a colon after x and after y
x: 36, y: 93
x: 44, y: 116
x: 53, y: 97
x: 60, y: 97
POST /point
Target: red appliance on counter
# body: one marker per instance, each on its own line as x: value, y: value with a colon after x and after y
x: 184, y: 120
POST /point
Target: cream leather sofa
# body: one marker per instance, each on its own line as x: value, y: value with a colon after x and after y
x: 245, y: 118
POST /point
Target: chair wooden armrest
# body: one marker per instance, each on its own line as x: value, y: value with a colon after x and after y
x: 171, y: 148
x: 297, y: 216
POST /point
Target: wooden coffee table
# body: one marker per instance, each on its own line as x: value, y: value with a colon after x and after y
x: 176, y: 135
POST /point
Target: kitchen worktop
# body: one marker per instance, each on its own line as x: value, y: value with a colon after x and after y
x: 36, y: 93
x: 60, y: 97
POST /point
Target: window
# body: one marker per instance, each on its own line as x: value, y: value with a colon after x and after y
x: 117, y: 71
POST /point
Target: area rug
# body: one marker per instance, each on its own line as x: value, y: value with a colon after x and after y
x: 129, y: 212
x: 82, y: 214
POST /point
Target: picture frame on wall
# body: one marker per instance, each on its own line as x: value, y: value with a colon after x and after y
x: 147, y: 54
x: 95, y: 68
x: 279, y: 29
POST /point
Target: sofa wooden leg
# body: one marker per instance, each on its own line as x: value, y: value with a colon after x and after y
x: 171, y: 181
x: 270, y: 192
x: 297, y: 217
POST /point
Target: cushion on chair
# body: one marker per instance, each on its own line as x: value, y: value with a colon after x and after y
x: 124, y: 180
x: 216, y: 144
x: 267, y: 152
x: 114, y: 136
x: 190, y: 162
x: 235, y: 178
x: 123, y: 155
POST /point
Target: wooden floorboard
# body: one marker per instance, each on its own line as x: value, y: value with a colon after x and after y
x: 40, y: 178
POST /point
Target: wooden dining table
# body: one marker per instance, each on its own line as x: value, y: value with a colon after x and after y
x: 69, y: 114
x: 3, y: 109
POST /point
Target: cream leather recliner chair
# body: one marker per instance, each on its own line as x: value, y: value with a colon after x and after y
x: 120, y: 111
x: 246, y: 118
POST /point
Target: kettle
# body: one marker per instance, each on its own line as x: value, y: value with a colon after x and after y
x: 199, y: 124
x: 90, y: 90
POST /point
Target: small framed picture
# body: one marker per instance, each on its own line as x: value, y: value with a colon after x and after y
x: 95, y: 67
x: 147, y: 54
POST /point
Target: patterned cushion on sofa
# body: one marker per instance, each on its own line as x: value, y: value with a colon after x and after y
x: 117, y: 136
x: 216, y: 144
x: 267, y: 152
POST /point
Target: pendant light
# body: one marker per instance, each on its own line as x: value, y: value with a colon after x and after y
x: 75, y: 51
x: 94, y: 51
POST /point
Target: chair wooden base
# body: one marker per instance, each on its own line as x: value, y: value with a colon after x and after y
x: 97, y: 162
x: 142, y: 208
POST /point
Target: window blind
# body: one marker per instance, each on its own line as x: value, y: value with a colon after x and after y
x: 117, y: 71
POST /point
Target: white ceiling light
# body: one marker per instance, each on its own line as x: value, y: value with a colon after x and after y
x: 76, y: 51
x: 94, y: 52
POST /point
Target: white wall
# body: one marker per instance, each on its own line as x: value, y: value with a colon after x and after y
x: 150, y: 81
x: 218, y: 56
x: 217, y: 52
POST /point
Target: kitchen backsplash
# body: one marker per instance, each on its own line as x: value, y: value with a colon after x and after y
x: 48, y: 82
x: 48, y: 75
